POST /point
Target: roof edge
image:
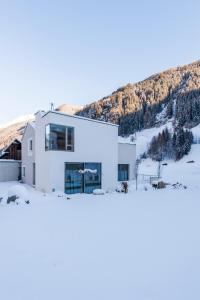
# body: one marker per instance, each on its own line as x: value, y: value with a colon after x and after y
x: 79, y: 117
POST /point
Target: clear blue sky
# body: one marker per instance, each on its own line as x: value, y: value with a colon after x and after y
x: 79, y: 51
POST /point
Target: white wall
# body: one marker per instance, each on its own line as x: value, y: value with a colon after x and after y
x: 94, y: 142
x: 28, y: 158
x: 9, y: 170
x: 127, y: 155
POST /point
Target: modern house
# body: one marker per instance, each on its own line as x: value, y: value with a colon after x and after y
x: 74, y: 154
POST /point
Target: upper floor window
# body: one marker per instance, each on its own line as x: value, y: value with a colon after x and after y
x: 30, y: 145
x: 59, y: 137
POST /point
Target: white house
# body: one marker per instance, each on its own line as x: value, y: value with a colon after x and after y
x: 74, y: 154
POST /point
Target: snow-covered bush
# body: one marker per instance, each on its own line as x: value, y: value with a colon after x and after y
x: 159, y: 184
x: 12, y: 199
x: 98, y: 192
x: 19, y: 191
x: 122, y: 187
x: 60, y: 194
x: 125, y: 187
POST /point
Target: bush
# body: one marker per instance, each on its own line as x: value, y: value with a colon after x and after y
x: 125, y: 187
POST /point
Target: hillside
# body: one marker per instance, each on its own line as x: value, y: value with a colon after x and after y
x: 141, y: 245
x: 170, y: 95
x: 151, y: 102
x: 15, y: 128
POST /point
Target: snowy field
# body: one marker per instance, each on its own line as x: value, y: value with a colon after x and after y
x: 142, y: 245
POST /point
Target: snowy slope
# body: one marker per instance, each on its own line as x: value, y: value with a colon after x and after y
x: 180, y: 171
x: 21, y: 119
x: 144, y: 137
x: 143, y: 245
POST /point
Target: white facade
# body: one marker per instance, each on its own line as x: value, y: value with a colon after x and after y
x: 127, y: 156
x: 28, y: 155
x: 94, y: 142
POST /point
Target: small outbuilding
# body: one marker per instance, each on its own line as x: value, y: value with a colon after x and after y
x: 12, y: 151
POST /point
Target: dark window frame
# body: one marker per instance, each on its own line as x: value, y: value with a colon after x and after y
x: 128, y: 172
x: 23, y: 171
x: 47, y: 142
x: 84, y: 184
x: 30, y: 145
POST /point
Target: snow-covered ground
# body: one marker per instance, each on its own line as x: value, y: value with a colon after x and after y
x: 144, y: 137
x: 141, y: 245
x: 185, y: 171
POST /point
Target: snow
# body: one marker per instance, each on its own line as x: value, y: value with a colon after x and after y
x: 161, y: 117
x: 141, y: 245
x: 196, y: 134
x: 181, y: 171
x: 19, y: 191
x: 21, y: 119
x: 98, y: 192
x: 144, y: 137
x: 88, y: 171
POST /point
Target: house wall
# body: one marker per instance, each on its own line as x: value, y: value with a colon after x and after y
x: 127, y: 155
x: 28, y: 157
x: 94, y: 142
x: 9, y: 170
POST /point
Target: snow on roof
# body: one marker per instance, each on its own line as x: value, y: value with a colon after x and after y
x: 10, y: 160
x: 79, y: 117
x: 3, y: 151
x: 126, y: 140
x: 32, y: 124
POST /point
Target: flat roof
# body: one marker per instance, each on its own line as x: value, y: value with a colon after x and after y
x: 127, y: 143
x: 79, y: 117
x: 10, y: 160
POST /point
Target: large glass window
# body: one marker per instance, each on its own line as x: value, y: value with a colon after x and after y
x: 82, y: 177
x: 73, y: 178
x: 123, y: 172
x: 92, y: 176
x: 59, y: 137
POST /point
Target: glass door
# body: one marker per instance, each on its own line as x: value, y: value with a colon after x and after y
x: 74, y: 178
x: 92, y: 177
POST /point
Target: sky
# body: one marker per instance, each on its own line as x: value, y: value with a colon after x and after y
x: 77, y: 52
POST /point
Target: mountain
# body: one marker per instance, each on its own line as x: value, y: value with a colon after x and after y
x: 174, y: 93
x: 69, y: 108
x: 15, y: 128
x: 170, y: 95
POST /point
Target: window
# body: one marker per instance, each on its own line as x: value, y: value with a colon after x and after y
x: 92, y: 178
x: 30, y: 145
x: 59, y: 137
x: 24, y: 171
x: 70, y: 138
x: 123, y: 172
x: 82, y: 177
